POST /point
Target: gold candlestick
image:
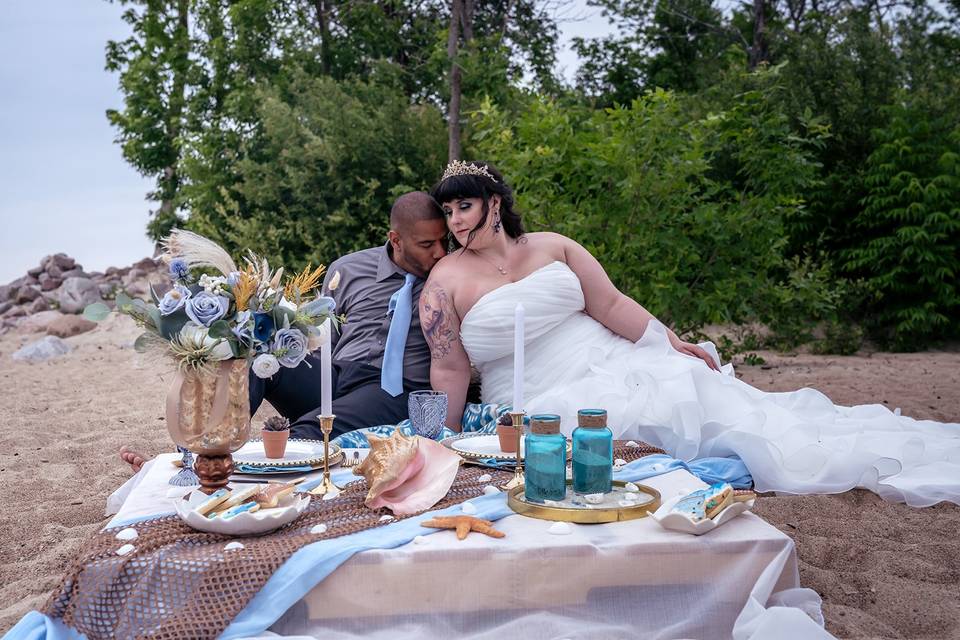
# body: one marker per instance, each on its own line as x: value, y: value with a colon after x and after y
x: 517, y: 418
x: 326, y: 485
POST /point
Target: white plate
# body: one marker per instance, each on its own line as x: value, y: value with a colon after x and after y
x: 485, y: 446
x: 680, y: 522
x: 299, y: 453
x: 245, y: 524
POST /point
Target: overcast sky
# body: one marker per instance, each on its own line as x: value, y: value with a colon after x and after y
x: 63, y: 183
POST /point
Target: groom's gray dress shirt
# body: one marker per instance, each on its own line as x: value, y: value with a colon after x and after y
x: 368, y: 279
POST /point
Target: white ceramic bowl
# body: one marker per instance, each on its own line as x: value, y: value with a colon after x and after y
x: 244, y: 524
x: 679, y: 522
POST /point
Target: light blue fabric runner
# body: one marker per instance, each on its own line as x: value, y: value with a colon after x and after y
x: 311, y: 564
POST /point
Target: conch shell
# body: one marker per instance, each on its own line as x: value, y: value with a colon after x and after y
x: 407, y: 474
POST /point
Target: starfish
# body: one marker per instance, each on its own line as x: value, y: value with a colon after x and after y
x: 464, y: 525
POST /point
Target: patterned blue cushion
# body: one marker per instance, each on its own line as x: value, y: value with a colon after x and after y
x: 477, y: 418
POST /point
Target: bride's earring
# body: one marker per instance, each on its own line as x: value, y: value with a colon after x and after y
x: 496, y: 223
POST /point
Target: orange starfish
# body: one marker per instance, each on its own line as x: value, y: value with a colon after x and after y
x: 464, y: 525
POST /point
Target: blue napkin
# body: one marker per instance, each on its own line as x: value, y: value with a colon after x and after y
x: 252, y: 469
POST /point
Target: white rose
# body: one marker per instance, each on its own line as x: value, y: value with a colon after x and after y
x: 316, y: 336
x: 265, y: 365
x: 221, y: 349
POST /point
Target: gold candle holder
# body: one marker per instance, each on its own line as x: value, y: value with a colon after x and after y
x: 518, y: 479
x: 326, y: 485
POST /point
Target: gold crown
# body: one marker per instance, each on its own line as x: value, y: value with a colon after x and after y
x: 461, y: 168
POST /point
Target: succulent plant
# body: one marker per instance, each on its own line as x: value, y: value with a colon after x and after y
x: 276, y: 423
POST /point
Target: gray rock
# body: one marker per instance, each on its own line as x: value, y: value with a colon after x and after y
x: 26, y: 293
x: 43, y: 349
x: 15, y: 312
x: 77, y: 293
x: 54, y: 271
x: 68, y: 326
x: 6, y: 292
x: 51, y: 296
x: 137, y: 289
x: 42, y: 277
x: 22, y: 281
x: 147, y: 264
x: 107, y: 289
x: 4, y: 306
x: 38, y: 305
x: 65, y: 262
x: 50, y: 284
x: 74, y: 273
x: 38, y: 322
x: 134, y: 274
x: 36, y: 271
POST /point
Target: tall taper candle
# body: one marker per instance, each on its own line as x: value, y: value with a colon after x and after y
x: 518, y: 320
x: 326, y: 395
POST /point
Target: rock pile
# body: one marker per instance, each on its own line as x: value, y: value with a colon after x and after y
x: 50, y: 297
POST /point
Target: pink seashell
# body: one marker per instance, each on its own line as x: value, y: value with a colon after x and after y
x: 407, y: 475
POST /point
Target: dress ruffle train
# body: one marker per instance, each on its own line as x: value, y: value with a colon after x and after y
x: 794, y: 442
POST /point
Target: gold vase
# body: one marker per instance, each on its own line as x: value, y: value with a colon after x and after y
x: 208, y: 413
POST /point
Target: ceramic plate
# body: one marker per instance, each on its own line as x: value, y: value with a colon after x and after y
x: 299, y: 453
x: 245, y: 524
x: 482, y: 446
x: 679, y: 522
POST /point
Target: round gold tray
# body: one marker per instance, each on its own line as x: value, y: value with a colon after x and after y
x: 588, y: 514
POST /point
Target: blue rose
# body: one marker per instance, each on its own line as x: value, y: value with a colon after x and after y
x: 262, y: 326
x: 321, y: 306
x: 174, y: 300
x: 179, y: 269
x: 290, y: 347
x: 206, y: 308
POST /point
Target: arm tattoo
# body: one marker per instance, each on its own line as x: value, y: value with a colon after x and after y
x: 435, y: 319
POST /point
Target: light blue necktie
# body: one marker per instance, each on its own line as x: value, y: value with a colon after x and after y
x: 401, y: 305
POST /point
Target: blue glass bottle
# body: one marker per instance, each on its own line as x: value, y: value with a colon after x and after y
x: 545, y: 459
x: 592, y: 453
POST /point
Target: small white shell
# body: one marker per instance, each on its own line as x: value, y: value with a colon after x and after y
x: 593, y: 498
x: 230, y: 546
x: 490, y: 490
x: 420, y: 540
x: 128, y: 534
x: 468, y: 508
x: 551, y: 503
x: 386, y: 518
x: 485, y: 478
x: 317, y: 529
x: 620, y: 462
x: 631, y: 487
x: 560, y: 529
x: 631, y: 443
x: 125, y: 549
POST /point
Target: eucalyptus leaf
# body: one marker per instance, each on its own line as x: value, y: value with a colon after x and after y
x: 169, y: 326
x: 96, y: 312
x: 123, y: 300
x: 143, y: 341
x: 220, y: 329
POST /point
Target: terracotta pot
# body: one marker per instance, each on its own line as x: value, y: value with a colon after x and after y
x: 274, y: 442
x: 508, y: 438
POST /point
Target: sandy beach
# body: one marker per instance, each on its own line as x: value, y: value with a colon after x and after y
x: 884, y: 570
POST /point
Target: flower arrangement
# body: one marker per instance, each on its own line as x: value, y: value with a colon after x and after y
x: 253, y: 313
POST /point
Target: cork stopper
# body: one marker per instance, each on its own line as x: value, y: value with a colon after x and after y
x: 545, y: 424
x: 592, y: 418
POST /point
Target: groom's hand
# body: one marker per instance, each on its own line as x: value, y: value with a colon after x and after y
x: 696, y: 351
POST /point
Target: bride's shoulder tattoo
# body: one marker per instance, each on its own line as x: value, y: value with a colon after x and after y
x: 436, y: 318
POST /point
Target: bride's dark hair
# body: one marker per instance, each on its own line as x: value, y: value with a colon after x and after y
x: 476, y: 185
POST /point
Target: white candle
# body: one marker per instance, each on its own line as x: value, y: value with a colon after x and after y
x: 326, y: 395
x: 518, y: 359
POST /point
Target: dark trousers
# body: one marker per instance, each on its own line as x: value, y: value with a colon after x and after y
x: 358, y: 400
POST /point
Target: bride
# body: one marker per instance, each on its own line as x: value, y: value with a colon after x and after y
x: 588, y: 345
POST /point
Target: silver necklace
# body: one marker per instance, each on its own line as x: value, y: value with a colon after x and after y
x: 492, y: 263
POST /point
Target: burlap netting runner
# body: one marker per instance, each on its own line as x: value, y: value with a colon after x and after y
x: 181, y: 583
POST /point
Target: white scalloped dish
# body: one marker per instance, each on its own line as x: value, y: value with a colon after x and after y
x: 244, y: 524
x: 680, y: 522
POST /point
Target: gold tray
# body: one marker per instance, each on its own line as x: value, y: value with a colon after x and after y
x: 587, y: 515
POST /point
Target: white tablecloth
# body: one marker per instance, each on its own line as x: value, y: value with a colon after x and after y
x: 623, y: 580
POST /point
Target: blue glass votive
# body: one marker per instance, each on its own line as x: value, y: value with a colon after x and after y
x: 592, y: 453
x: 545, y: 459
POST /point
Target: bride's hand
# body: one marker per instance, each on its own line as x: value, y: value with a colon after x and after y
x: 696, y: 351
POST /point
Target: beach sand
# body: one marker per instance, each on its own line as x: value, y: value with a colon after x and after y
x: 884, y: 570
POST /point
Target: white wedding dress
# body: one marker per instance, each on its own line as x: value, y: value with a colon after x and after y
x: 796, y: 442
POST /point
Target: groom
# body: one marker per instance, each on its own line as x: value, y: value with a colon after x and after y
x: 380, y: 353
